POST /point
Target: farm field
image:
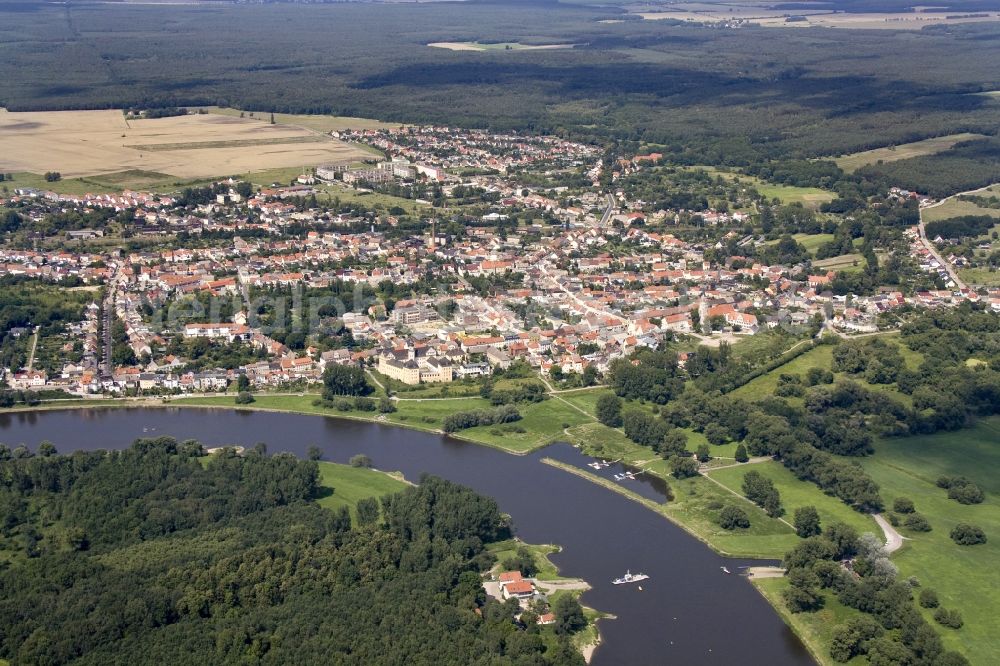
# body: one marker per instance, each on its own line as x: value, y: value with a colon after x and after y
x: 937, y: 144
x: 963, y: 577
x: 92, y: 143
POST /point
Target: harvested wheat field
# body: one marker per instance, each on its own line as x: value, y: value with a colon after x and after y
x: 88, y: 143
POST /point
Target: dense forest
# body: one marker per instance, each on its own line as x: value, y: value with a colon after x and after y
x: 724, y: 96
x: 157, y: 554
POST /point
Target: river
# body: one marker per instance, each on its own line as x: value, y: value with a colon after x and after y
x: 688, y: 612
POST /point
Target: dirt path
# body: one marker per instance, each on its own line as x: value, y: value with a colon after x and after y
x: 34, y: 345
x: 550, y: 586
x: 893, y: 539
x: 752, y: 461
x: 766, y: 572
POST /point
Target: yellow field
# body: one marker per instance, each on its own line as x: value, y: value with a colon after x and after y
x: 88, y: 143
x: 903, y: 151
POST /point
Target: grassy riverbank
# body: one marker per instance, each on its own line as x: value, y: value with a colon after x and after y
x: 343, y: 485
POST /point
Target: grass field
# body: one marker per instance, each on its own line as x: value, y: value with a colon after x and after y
x: 955, y: 207
x: 822, y: 357
x: 796, y: 493
x: 318, y: 123
x: 964, y: 577
x: 904, y: 151
x: 89, y: 143
x: 982, y: 276
x: 350, y: 484
x: 845, y: 262
x: 811, y: 197
x: 134, y: 179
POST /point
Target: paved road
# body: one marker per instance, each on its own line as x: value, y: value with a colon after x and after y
x: 607, y: 212
x: 930, y: 246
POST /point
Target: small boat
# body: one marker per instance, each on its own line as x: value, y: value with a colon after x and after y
x: 620, y: 477
x: 595, y: 465
x: 725, y: 570
x: 629, y: 577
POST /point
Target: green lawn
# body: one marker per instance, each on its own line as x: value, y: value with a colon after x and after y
x: 350, y: 484
x: 964, y: 577
x: 796, y: 493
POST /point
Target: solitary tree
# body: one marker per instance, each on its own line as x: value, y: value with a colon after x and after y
x: 807, y: 522
x: 741, y: 454
x: 733, y: 517
x: 609, y: 410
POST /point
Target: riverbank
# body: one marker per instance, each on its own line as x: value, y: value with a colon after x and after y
x: 548, y: 504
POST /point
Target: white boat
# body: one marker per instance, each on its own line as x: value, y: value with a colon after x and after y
x: 629, y: 577
x: 725, y: 570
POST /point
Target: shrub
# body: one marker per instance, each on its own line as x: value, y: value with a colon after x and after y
x: 903, y: 505
x: 917, y: 523
x: 244, y: 398
x: 968, y: 493
x: 948, y: 618
x: 967, y: 535
x: 928, y: 598
x: 360, y: 460
x: 733, y: 517
x: 703, y: 453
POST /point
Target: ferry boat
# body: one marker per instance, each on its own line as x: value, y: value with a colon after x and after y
x: 629, y: 577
